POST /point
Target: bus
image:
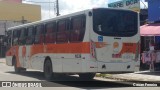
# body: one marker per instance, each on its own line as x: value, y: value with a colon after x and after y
x: 98, y: 40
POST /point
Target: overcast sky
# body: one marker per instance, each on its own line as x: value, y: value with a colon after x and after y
x: 69, y: 6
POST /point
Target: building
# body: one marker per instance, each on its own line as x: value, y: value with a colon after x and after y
x: 13, y: 13
x: 143, y: 16
x: 150, y: 33
x: 154, y: 10
x: 133, y: 5
x: 13, y: 1
x: 17, y: 12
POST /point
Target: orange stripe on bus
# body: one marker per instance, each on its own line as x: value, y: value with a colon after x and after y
x: 101, y: 44
x: 14, y: 52
x: 83, y: 47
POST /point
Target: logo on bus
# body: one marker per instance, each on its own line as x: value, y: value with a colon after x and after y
x: 116, y: 50
x: 116, y: 47
x: 100, y: 38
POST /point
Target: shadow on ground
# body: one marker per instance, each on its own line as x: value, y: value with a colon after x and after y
x: 73, y: 81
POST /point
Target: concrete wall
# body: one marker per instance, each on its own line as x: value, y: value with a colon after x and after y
x: 4, y: 25
x: 15, y: 1
x: 15, y: 12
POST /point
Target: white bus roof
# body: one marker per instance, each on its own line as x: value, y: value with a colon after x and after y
x: 58, y: 17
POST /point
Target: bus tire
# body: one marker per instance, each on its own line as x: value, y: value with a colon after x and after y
x: 87, y: 76
x: 48, y: 72
x: 16, y: 69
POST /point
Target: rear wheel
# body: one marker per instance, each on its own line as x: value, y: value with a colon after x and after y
x: 87, y: 76
x: 48, y: 72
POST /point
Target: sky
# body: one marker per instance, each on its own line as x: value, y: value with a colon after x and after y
x: 69, y: 6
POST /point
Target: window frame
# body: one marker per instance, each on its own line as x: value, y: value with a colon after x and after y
x: 66, y: 31
x: 24, y: 36
x: 113, y: 31
x: 53, y: 33
x: 82, y: 29
x: 14, y: 43
x: 32, y: 36
x: 41, y: 33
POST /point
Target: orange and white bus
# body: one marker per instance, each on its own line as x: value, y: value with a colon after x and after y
x: 99, y: 40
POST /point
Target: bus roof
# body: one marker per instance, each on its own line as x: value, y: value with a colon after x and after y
x: 60, y: 17
x: 48, y: 20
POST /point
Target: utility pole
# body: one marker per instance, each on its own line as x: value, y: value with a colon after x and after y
x: 57, y: 7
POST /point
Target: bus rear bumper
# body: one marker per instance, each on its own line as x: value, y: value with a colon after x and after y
x: 114, y: 67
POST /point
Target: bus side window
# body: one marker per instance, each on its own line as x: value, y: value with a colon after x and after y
x: 50, y: 36
x: 30, y: 35
x: 63, y: 31
x: 16, y: 34
x: 77, y: 28
x: 39, y: 34
x: 22, y: 38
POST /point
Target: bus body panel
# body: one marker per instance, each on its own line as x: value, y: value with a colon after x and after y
x: 96, y: 53
x: 21, y: 56
x: 114, y: 52
x: 9, y: 60
x: 127, y: 48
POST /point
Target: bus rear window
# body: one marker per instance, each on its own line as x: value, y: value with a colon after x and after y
x: 109, y: 22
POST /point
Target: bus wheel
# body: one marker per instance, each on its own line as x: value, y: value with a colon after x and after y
x: 87, y: 76
x: 48, y: 72
x: 16, y: 69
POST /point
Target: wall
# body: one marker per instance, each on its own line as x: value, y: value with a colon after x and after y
x: 4, y: 25
x: 16, y: 1
x: 154, y: 10
x: 15, y: 12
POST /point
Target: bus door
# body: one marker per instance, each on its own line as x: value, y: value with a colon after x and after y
x: 22, y: 48
x: 17, y: 46
x: 26, y: 49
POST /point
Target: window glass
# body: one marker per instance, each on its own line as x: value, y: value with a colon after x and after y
x: 22, y: 38
x: 16, y: 34
x: 30, y: 35
x: 63, y: 31
x: 39, y: 35
x: 50, y: 36
x: 119, y: 23
x: 77, y: 28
